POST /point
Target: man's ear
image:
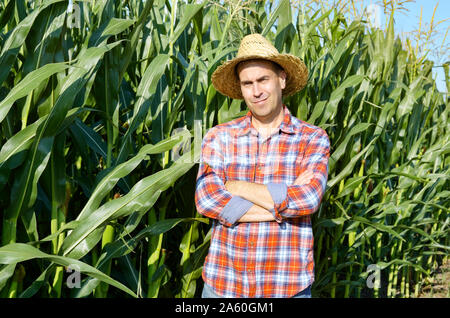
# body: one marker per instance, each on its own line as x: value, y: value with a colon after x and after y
x: 283, y: 77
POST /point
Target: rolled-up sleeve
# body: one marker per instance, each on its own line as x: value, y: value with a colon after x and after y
x: 291, y: 201
x: 211, y: 197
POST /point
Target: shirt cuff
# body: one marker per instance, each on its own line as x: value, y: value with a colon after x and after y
x: 278, y: 191
x: 234, y: 210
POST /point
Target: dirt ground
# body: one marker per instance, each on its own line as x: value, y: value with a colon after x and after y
x: 440, y: 284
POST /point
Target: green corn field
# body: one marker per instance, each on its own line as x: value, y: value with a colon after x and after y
x: 103, y: 105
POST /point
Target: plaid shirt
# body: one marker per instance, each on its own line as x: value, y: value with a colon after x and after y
x: 261, y: 259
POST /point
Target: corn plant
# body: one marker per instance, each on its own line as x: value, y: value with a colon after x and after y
x: 103, y: 105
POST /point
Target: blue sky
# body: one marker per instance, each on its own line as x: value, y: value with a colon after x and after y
x: 409, y: 21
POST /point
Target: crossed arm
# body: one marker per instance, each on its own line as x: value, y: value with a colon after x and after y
x: 233, y: 201
x: 260, y: 196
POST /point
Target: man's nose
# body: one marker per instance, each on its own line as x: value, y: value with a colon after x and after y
x: 256, y: 90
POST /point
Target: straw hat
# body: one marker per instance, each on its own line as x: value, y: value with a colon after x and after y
x: 255, y: 46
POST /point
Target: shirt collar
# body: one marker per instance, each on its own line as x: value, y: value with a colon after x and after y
x: 286, y: 125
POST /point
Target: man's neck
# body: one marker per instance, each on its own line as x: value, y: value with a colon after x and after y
x: 268, y: 126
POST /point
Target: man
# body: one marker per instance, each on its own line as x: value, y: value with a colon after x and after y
x: 260, y: 178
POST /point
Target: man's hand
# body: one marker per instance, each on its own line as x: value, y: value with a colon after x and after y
x: 232, y: 186
x: 304, y: 177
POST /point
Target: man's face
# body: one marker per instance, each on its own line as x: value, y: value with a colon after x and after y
x: 261, y: 86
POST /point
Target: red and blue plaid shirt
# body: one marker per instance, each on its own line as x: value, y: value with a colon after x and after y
x: 261, y: 259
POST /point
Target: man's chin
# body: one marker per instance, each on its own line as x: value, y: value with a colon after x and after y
x: 260, y: 109
x: 259, y: 114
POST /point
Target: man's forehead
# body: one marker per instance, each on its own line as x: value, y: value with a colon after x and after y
x: 258, y: 62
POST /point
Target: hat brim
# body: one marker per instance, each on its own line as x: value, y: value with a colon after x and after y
x: 226, y: 81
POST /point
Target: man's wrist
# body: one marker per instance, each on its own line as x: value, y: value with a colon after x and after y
x: 234, y: 186
x: 234, y: 210
x: 254, y: 192
x: 256, y: 214
x: 278, y: 191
